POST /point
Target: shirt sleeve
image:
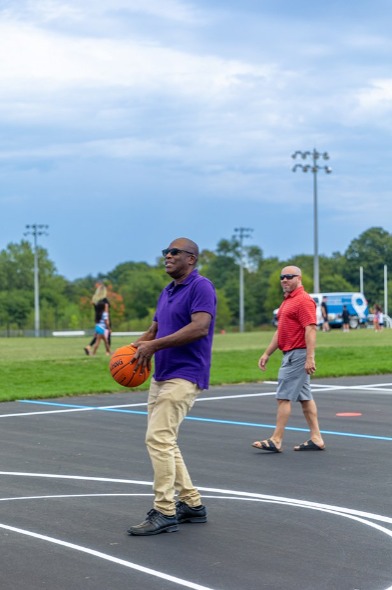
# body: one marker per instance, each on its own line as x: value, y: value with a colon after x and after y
x: 204, y: 297
x: 307, y: 312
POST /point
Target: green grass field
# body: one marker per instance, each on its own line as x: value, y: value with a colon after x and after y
x: 52, y: 367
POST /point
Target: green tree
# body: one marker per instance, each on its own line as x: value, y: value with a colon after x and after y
x: 371, y: 250
x: 305, y: 262
x: 274, y: 293
x: 16, y: 308
x: 331, y: 271
x: 139, y: 285
x: 134, y: 287
x: 223, y: 272
x: 17, y: 288
x: 333, y: 283
x: 17, y: 267
x: 223, y: 312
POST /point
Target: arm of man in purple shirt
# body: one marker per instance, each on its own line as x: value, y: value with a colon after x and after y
x: 148, y: 344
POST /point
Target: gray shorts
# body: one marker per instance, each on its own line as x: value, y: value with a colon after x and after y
x: 293, y: 380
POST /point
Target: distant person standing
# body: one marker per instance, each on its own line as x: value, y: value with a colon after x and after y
x: 296, y: 338
x: 378, y: 319
x: 102, y: 327
x: 101, y: 305
x: 324, y: 313
x: 345, y: 319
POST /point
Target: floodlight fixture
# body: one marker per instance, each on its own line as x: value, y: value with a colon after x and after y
x: 314, y: 168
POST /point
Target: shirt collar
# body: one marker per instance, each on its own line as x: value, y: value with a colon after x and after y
x: 191, y: 277
x: 296, y: 291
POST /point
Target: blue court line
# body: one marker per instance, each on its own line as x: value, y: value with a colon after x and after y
x: 211, y: 420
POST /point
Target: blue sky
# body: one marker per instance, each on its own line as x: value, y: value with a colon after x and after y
x: 127, y: 123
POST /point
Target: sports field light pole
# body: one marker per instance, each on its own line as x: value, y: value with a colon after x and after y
x: 385, y: 289
x: 315, y: 155
x: 243, y: 232
x: 36, y: 230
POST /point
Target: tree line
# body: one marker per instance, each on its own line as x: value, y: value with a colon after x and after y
x: 133, y: 287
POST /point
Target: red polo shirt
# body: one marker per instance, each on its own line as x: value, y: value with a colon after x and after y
x: 297, y: 311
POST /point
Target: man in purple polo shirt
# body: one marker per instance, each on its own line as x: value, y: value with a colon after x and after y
x: 180, y: 337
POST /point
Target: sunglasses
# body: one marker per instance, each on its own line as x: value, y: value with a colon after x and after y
x: 175, y: 251
x: 289, y: 277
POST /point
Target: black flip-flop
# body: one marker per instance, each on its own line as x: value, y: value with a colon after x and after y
x: 309, y: 445
x: 271, y: 447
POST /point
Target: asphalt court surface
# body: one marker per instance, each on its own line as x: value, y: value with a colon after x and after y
x: 75, y: 475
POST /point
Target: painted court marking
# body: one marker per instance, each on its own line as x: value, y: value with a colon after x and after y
x: 381, y: 388
x: 106, y: 557
x: 378, y: 387
x: 124, y: 408
x: 361, y: 517
x: 378, y: 523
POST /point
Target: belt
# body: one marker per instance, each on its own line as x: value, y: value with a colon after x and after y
x: 291, y: 350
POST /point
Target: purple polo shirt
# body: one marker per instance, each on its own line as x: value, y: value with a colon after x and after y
x: 175, y: 306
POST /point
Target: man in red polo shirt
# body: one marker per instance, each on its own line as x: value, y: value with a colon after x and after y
x: 296, y: 338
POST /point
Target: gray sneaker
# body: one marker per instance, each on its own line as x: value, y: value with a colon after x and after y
x: 186, y: 513
x: 155, y: 523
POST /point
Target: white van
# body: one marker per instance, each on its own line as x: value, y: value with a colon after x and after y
x: 356, y: 304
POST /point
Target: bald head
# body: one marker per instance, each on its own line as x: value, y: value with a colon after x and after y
x: 292, y: 270
x: 290, y: 278
x: 187, y: 245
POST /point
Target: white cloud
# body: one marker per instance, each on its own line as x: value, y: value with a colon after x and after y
x: 48, y: 77
x: 366, y: 42
x: 107, y: 148
x: 201, y: 98
x: 70, y: 12
x: 29, y: 54
x: 377, y: 97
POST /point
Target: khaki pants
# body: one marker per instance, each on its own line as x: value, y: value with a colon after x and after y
x: 168, y: 404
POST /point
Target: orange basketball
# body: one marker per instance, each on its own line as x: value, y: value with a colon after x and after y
x: 123, y: 371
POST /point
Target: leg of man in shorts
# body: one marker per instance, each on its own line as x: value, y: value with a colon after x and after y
x: 294, y: 386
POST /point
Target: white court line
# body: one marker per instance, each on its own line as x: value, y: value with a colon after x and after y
x: 354, y: 515
x: 245, y: 495
x: 106, y: 557
x: 23, y: 414
x: 379, y: 387
x: 236, y: 396
x: 62, y: 496
x: 316, y: 387
x: 69, y: 410
x: 120, y: 406
x: 363, y: 388
x: 77, y: 477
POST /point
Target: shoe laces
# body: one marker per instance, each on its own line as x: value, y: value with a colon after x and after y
x: 152, y: 514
